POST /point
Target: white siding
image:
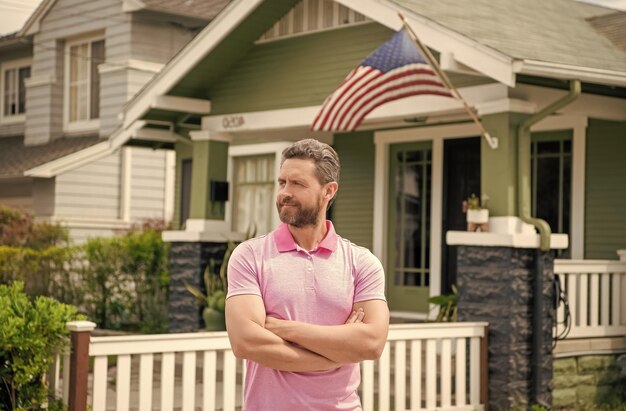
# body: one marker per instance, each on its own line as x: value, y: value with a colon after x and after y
x: 147, y: 184
x: 67, y: 19
x: 90, y: 191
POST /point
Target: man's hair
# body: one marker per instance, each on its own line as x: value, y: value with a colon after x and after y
x: 325, y: 158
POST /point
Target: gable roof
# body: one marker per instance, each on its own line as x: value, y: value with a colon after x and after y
x: 16, y: 159
x: 498, y: 39
x: 554, y: 31
x: 205, y: 9
x: 613, y: 27
x: 198, y: 9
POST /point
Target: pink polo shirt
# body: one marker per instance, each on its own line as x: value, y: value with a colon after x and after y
x: 317, y: 287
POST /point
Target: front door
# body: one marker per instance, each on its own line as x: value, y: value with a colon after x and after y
x: 408, y: 264
x: 461, y: 179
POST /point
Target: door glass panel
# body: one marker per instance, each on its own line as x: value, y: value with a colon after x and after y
x: 412, y: 220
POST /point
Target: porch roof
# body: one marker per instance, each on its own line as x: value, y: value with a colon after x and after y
x: 16, y: 159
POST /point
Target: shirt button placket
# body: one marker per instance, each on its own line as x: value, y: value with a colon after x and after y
x: 309, y: 272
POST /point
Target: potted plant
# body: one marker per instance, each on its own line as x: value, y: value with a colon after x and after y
x: 216, y: 286
x: 447, y: 306
x: 477, y: 216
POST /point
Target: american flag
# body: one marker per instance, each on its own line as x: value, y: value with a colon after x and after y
x: 393, y: 71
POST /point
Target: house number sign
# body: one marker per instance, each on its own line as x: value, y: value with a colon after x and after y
x: 230, y: 122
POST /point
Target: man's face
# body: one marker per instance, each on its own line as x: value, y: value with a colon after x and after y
x: 300, y: 199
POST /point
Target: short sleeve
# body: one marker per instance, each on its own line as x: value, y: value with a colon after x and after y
x: 242, y: 273
x: 370, y: 277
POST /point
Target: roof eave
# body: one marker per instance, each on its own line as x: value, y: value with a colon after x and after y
x: 32, y: 24
x: 70, y: 161
x: 563, y: 71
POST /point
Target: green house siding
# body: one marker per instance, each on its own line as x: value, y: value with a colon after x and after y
x: 295, y: 72
x: 353, y: 211
x: 605, y: 189
x: 299, y: 71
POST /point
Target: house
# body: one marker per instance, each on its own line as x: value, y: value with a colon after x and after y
x: 265, y: 68
x: 65, y: 77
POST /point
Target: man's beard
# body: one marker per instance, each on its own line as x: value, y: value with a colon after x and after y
x: 298, y: 216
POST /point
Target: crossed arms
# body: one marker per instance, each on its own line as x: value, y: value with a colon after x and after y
x: 296, y: 346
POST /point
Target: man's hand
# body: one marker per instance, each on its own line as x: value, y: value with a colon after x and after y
x: 245, y: 317
x: 361, y: 337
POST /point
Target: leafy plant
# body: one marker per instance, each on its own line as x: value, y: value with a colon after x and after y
x: 31, y: 333
x: 213, y: 299
x: 216, y: 285
x: 447, y: 306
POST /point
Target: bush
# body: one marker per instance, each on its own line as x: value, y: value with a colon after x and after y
x: 120, y: 282
x: 125, y: 280
x: 18, y: 229
x: 31, y: 333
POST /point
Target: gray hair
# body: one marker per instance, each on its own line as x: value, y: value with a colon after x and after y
x: 325, y: 158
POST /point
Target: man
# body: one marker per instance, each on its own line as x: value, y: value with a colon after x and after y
x: 305, y: 306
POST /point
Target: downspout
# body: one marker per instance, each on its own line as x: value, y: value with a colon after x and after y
x: 523, y: 187
x: 523, y: 164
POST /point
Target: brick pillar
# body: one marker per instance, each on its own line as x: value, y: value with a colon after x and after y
x: 188, y: 260
x: 496, y: 285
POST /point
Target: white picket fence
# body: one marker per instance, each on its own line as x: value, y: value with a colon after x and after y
x: 596, y: 295
x: 423, y: 367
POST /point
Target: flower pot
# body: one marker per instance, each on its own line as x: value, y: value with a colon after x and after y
x: 214, y: 320
x: 480, y: 216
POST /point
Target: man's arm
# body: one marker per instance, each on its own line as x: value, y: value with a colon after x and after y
x: 245, y: 319
x: 348, y: 343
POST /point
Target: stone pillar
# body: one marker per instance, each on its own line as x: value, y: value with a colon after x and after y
x: 495, y: 285
x: 188, y: 260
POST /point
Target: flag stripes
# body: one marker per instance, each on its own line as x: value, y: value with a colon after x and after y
x: 395, y: 70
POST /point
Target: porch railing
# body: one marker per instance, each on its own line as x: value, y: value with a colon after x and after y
x: 423, y: 366
x: 595, y: 292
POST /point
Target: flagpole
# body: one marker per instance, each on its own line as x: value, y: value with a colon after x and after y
x: 492, y: 141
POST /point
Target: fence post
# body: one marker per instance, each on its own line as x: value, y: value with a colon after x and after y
x: 484, y: 368
x: 79, y: 364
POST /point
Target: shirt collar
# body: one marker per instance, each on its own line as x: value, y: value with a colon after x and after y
x: 285, y: 242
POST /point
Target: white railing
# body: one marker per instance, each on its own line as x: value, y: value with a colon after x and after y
x: 596, y: 291
x: 423, y: 367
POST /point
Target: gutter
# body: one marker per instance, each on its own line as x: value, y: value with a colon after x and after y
x: 523, y: 164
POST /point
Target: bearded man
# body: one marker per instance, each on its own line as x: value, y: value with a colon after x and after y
x: 305, y: 306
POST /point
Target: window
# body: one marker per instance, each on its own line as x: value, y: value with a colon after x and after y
x: 185, y: 191
x: 551, y: 179
x: 14, y: 76
x: 253, y: 203
x: 83, y: 84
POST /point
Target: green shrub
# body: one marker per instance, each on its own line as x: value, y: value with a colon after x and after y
x: 31, y: 333
x: 120, y: 282
x: 125, y: 280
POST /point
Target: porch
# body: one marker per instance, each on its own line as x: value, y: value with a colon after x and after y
x: 424, y: 365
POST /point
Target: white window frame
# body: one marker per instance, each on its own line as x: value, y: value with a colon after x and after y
x: 6, y: 66
x: 81, y: 125
x: 246, y: 150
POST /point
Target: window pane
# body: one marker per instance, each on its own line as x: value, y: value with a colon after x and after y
x: 412, y: 226
x: 547, y: 190
x: 97, y: 58
x: 548, y: 147
x: 567, y: 193
x: 79, y: 63
x: 253, y: 205
x: 9, y: 92
x: 23, y: 75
